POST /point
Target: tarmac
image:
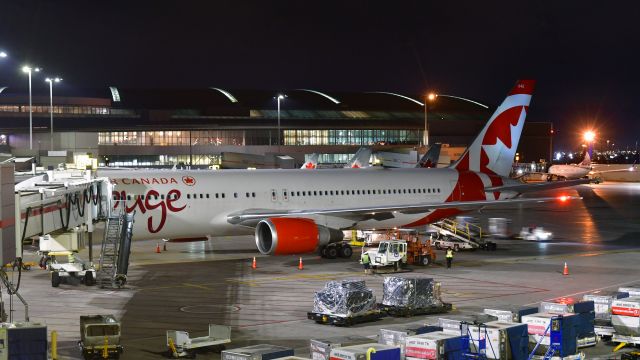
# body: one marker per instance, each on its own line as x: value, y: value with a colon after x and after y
x: 193, y: 284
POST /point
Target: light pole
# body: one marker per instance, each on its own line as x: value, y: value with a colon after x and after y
x: 427, y: 98
x: 279, y: 98
x: 51, y: 81
x: 28, y: 69
x: 3, y: 54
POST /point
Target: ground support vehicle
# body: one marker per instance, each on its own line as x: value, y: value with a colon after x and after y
x: 65, y: 266
x: 336, y: 320
x: 535, y: 233
x: 402, y: 250
x: 182, y: 345
x: 460, y: 236
x: 100, y: 337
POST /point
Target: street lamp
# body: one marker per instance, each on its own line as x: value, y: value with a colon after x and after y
x: 51, y: 81
x: 28, y: 70
x: 279, y: 98
x: 3, y: 54
x: 427, y: 97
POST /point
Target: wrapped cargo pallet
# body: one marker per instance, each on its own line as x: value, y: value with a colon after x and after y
x: 602, y: 301
x: 411, y: 292
x: 398, y: 337
x: 320, y: 349
x: 257, y: 352
x: 506, y: 340
x: 566, y: 305
x: 359, y: 352
x: 344, y: 298
x: 511, y: 314
x: 625, y: 316
x: 632, y: 290
x: 436, y: 345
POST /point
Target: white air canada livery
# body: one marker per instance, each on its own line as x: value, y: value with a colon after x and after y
x: 359, y: 160
x: 294, y: 212
x: 573, y: 171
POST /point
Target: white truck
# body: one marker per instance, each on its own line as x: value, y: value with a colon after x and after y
x: 389, y: 253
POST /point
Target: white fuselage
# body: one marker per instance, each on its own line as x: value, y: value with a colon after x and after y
x: 570, y: 171
x: 185, y: 204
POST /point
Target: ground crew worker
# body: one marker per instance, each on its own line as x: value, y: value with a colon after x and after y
x: 449, y: 257
x: 366, y: 262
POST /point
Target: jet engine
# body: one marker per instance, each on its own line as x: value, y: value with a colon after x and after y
x: 283, y: 236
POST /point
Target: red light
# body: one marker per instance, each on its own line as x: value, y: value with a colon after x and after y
x: 563, y: 198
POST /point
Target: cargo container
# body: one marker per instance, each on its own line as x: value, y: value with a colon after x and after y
x: 359, y: 352
x: 577, y: 332
x: 398, y: 337
x: 506, y: 340
x: 451, y: 325
x: 566, y: 305
x: 633, y: 290
x: 511, y: 314
x: 23, y: 341
x: 320, y: 349
x: 436, y: 345
x: 625, y: 316
x: 257, y: 352
x: 602, y: 301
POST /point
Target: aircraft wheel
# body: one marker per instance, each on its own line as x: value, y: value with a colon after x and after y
x: 332, y: 252
x: 346, y: 252
x: 55, y: 279
x: 425, y: 260
x: 323, y: 252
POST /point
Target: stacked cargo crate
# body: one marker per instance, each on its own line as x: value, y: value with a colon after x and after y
x: 626, y: 319
x: 398, y: 337
x: 503, y: 340
x: 602, y: 301
x: 366, y: 352
x: 436, y: 345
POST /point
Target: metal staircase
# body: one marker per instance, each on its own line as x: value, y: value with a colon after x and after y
x: 114, y: 256
x: 465, y: 232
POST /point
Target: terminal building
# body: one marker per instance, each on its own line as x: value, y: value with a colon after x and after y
x: 238, y: 128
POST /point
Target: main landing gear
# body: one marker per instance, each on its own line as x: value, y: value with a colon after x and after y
x: 335, y: 250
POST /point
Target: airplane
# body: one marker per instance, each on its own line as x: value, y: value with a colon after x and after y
x: 296, y: 212
x: 430, y: 158
x: 312, y: 163
x: 359, y: 160
x: 581, y: 170
x: 572, y: 171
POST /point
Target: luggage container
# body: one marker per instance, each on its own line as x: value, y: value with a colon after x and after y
x: 320, y: 349
x: 575, y: 332
x: 506, y: 340
x: 436, y: 345
x: 359, y: 352
x: 566, y: 305
x: 23, y: 341
x: 633, y: 290
x: 625, y: 316
x: 451, y: 325
x: 344, y: 302
x: 398, y: 337
x: 257, y: 352
x: 602, y: 301
x: 511, y: 314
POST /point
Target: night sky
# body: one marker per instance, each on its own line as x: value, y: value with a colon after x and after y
x: 584, y: 54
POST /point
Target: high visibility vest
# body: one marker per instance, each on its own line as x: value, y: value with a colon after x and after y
x: 449, y: 254
x: 365, y: 258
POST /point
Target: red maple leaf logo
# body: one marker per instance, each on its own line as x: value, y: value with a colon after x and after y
x: 310, y: 165
x: 189, y: 180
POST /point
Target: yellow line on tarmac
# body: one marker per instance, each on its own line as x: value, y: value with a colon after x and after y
x: 196, y: 286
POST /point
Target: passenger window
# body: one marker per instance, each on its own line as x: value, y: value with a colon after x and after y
x: 201, y: 196
x: 246, y: 194
x: 285, y: 195
x: 326, y: 192
x: 207, y: 195
x: 438, y: 190
x: 253, y: 194
x: 217, y: 195
x: 315, y: 193
x: 341, y: 192
x: 331, y: 192
x: 222, y: 195
x: 304, y: 193
x: 188, y: 196
x: 298, y: 193
x: 274, y: 195
x: 235, y: 195
x: 369, y: 192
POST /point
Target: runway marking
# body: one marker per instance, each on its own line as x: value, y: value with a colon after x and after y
x: 197, y: 286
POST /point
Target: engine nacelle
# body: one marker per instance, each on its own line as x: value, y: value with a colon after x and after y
x: 282, y: 236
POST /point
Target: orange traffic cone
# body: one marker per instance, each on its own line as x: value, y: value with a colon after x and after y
x: 253, y: 263
x: 566, y: 269
x: 300, y: 266
x: 157, y: 248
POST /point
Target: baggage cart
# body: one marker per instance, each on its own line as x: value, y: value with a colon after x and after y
x: 181, y: 344
x: 257, y: 352
x: 338, y: 320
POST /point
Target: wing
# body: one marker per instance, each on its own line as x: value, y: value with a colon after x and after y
x: 250, y: 217
x: 538, y: 186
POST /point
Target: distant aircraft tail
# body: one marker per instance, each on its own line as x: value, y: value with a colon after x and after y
x: 360, y: 159
x: 493, y: 150
x: 587, y: 159
x: 430, y: 159
x: 312, y: 162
